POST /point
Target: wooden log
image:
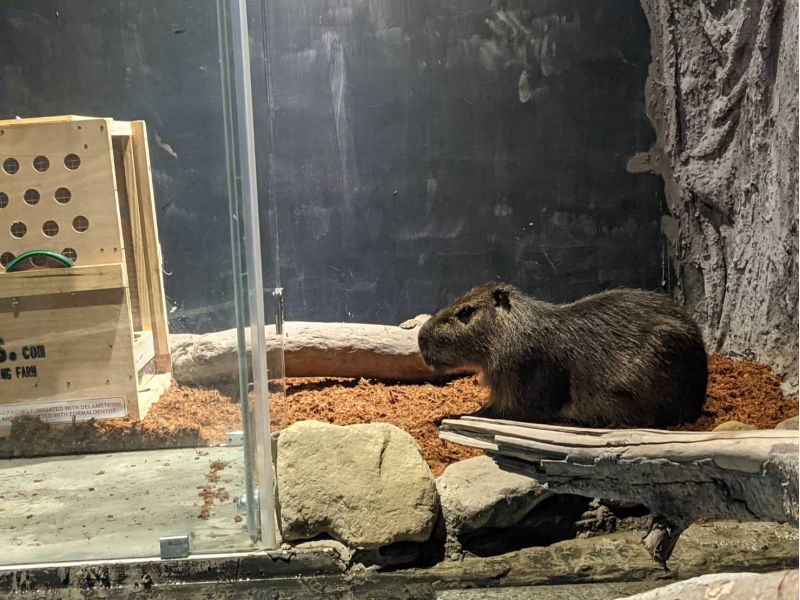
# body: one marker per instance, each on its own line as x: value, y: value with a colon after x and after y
x: 310, y: 350
x: 680, y: 476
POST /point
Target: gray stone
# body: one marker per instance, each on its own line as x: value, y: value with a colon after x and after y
x: 476, y: 494
x: 781, y: 585
x: 364, y: 485
x: 488, y: 511
x: 790, y: 423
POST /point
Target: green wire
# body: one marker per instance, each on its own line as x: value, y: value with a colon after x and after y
x: 47, y: 253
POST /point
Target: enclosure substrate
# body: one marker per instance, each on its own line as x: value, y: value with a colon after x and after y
x: 738, y: 390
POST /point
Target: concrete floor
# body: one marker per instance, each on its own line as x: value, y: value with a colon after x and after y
x: 108, y: 506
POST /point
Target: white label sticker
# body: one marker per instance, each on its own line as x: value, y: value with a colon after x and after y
x: 64, y: 411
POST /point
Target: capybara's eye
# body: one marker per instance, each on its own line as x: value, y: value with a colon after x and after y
x: 465, y: 313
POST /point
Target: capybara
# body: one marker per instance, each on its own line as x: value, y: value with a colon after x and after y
x: 619, y: 358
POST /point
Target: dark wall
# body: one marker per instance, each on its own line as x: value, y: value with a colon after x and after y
x: 419, y: 148
x: 411, y: 149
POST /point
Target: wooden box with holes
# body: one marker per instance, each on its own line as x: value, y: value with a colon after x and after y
x: 83, y: 326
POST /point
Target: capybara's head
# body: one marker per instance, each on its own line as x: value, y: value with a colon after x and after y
x: 463, y: 333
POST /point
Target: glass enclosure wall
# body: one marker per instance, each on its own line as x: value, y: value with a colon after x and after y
x: 129, y: 174
x: 418, y: 148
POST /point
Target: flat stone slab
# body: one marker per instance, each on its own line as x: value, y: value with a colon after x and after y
x: 108, y: 506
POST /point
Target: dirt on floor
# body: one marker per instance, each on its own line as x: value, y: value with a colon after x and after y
x: 738, y: 390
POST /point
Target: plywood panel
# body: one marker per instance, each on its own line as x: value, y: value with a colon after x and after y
x: 91, y: 188
x: 87, y: 345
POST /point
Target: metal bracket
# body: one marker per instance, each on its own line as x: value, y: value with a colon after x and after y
x: 235, y: 438
x: 277, y: 293
x: 241, y: 502
x: 174, y: 546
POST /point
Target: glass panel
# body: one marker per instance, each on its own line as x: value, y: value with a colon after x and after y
x: 128, y: 408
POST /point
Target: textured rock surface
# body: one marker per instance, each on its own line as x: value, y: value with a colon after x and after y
x: 488, y: 511
x: 731, y: 586
x: 722, y: 96
x: 365, y: 485
x: 710, y: 547
x: 614, y: 558
x: 475, y: 494
x: 790, y: 423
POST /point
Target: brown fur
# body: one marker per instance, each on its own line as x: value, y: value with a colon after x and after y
x: 622, y: 357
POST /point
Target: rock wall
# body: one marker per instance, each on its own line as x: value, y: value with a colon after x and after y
x: 722, y: 96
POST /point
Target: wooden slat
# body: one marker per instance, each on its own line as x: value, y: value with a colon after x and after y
x: 151, y: 388
x: 136, y: 253
x: 120, y: 128
x: 117, y: 128
x: 127, y: 233
x: 143, y: 350
x: 152, y: 249
x: 37, y: 282
x: 36, y: 120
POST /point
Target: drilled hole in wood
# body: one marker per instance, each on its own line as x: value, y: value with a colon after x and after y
x: 3, y: 199
x: 70, y: 254
x: 39, y: 261
x: 18, y: 229
x: 72, y: 161
x: 41, y: 164
x: 6, y: 257
x: 80, y: 224
x: 32, y: 196
x: 11, y: 165
x: 50, y: 228
x: 63, y: 195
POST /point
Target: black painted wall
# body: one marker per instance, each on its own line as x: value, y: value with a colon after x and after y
x: 411, y: 148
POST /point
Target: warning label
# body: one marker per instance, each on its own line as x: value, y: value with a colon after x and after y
x: 65, y: 411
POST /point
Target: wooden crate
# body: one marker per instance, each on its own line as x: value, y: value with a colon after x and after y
x: 89, y: 341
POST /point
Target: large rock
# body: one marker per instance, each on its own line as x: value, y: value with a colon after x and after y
x: 476, y: 494
x: 781, y: 585
x: 364, y: 485
x: 310, y: 350
x: 790, y: 423
x: 488, y: 511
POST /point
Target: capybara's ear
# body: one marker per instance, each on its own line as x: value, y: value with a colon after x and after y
x: 501, y: 299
